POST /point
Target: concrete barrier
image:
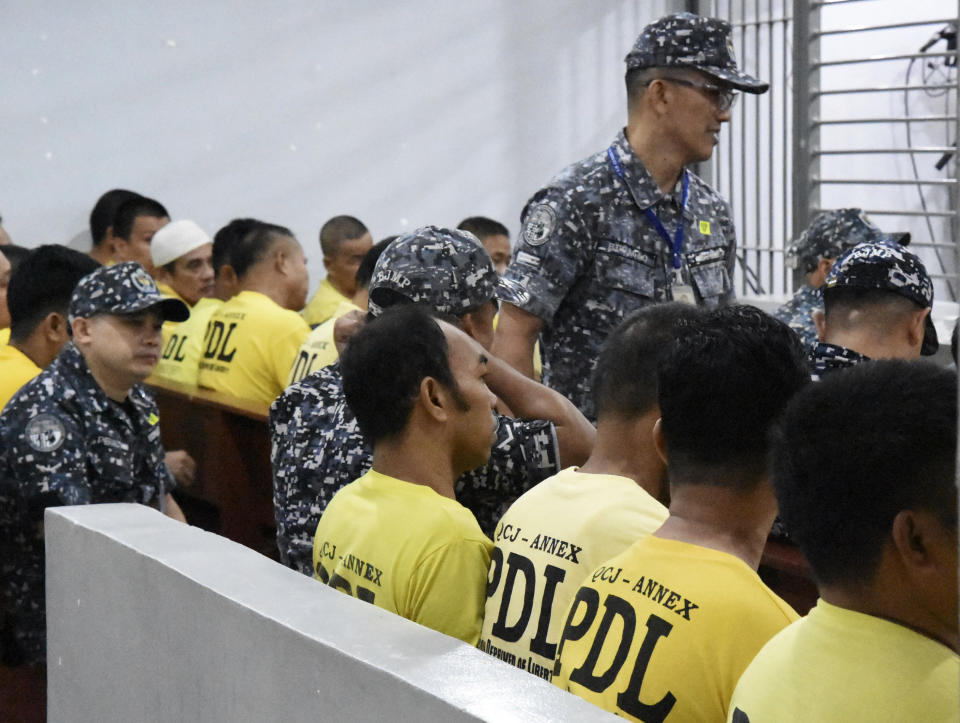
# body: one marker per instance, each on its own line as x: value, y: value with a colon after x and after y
x: 151, y: 620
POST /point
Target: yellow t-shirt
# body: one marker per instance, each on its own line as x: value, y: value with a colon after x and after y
x: 664, y: 630
x: 5, y: 336
x: 841, y: 666
x: 406, y: 549
x: 322, y: 304
x: 319, y: 350
x: 550, y: 539
x: 16, y: 369
x: 183, y: 344
x: 249, y: 345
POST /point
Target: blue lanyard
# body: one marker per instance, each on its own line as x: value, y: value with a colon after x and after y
x: 676, y: 243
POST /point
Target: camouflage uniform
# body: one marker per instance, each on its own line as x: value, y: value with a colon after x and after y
x: 65, y: 442
x: 316, y: 446
x: 589, y: 253
x: 829, y: 235
x: 827, y: 358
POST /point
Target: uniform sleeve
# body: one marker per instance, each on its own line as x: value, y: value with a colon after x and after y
x: 286, y: 347
x: 48, y: 461
x: 552, y: 252
x: 730, y: 234
x: 448, y: 589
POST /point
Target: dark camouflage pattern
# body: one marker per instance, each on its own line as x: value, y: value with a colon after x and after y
x: 798, y: 315
x: 833, y: 232
x: 447, y: 269
x: 64, y: 442
x: 317, y: 448
x: 890, y: 267
x: 829, y: 358
x: 123, y: 289
x: 685, y: 40
x: 587, y: 256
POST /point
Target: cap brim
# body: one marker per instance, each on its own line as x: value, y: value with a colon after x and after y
x: 931, y: 344
x: 736, y: 79
x: 170, y: 309
x: 899, y: 237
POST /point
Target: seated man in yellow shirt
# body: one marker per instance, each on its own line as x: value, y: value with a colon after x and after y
x: 135, y: 222
x: 320, y: 349
x: 252, y: 340
x: 182, y: 255
x: 101, y: 223
x: 344, y: 241
x: 397, y: 537
x: 38, y: 297
x: 558, y: 532
x: 664, y: 630
x: 864, y: 469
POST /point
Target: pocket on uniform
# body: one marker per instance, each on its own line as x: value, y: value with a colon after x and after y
x: 625, y: 268
x: 709, y: 273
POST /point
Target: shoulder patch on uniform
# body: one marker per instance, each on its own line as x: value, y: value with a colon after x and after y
x: 540, y: 223
x: 45, y: 433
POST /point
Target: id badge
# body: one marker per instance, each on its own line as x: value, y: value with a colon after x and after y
x: 682, y: 292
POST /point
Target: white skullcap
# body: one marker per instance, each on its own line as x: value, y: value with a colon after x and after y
x: 176, y: 239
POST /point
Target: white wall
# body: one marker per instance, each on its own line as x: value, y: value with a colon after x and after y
x: 399, y: 113
x: 150, y: 620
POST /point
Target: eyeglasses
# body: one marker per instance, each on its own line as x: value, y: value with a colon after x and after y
x: 723, y: 98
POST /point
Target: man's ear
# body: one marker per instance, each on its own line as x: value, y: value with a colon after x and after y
x: 820, y: 321
x: 917, y: 327
x: 55, y: 327
x: 916, y: 538
x: 659, y: 441
x: 434, y: 399
x: 81, y: 330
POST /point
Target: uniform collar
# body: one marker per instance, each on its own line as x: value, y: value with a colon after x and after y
x: 833, y: 356
x: 645, y: 191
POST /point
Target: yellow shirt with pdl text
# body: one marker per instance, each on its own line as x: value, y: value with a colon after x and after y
x: 548, y: 541
x: 322, y: 304
x: 842, y: 666
x: 664, y: 630
x: 319, y: 349
x: 16, y: 369
x: 407, y: 549
x: 183, y: 344
x: 248, y: 347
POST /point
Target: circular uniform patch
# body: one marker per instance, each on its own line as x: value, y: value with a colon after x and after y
x: 540, y: 223
x: 45, y: 433
x: 142, y: 281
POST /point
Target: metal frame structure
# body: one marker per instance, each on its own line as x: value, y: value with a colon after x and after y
x: 776, y: 190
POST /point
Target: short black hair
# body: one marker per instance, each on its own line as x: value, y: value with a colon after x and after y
x: 227, y: 237
x: 101, y: 217
x: 128, y: 212
x: 255, y: 245
x: 384, y: 363
x: 15, y: 254
x: 625, y: 378
x: 365, y: 270
x: 722, y: 386
x: 855, y: 449
x: 339, y: 229
x: 481, y: 227
x: 43, y: 283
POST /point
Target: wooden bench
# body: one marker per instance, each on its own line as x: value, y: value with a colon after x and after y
x: 784, y: 568
x: 230, y: 440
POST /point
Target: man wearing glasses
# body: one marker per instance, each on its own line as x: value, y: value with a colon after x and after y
x: 631, y: 225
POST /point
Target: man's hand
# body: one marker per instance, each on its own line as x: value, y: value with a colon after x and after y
x: 181, y: 466
x: 345, y: 327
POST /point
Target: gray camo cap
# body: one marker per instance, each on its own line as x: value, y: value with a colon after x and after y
x: 833, y: 232
x: 124, y: 288
x: 448, y: 269
x: 890, y: 267
x: 685, y: 40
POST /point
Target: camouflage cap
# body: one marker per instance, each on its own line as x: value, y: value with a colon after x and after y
x: 685, y: 40
x: 891, y: 267
x: 122, y: 289
x: 833, y: 232
x: 445, y: 268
